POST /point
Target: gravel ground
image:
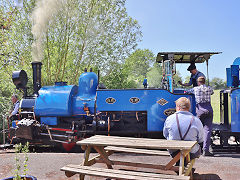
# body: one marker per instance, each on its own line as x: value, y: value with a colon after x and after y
x: 46, y: 166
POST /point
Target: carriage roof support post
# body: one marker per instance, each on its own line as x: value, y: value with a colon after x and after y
x: 207, y: 72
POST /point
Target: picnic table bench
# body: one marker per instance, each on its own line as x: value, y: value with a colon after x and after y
x: 107, y: 145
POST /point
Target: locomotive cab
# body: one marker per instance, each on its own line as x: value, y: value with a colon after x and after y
x: 169, y: 60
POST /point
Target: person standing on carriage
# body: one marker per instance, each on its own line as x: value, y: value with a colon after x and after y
x: 195, y: 74
x: 204, y: 111
x: 13, y: 114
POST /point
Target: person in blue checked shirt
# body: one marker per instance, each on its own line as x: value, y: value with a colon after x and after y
x: 183, y: 125
x: 204, y: 111
x: 195, y: 74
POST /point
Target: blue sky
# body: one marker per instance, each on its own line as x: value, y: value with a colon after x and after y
x: 190, y: 26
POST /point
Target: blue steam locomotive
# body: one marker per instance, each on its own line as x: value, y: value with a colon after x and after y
x: 64, y: 114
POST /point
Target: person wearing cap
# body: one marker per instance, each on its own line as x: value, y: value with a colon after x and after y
x: 195, y: 74
x: 204, y: 111
x: 183, y: 125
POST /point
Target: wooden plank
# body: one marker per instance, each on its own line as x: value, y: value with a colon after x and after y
x: 85, y: 161
x: 93, y: 159
x: 97, y: 137
x: 104, y: 156
x: 104, y: 174
x: 144, y: 143
x: 113, y: 173
x: 137, y: 164
x: 181, y: 166
x: 176, y: 158
x: 173, y: 161
x: 188, y: 169
x: 86, y: 155
x: 137, y: 151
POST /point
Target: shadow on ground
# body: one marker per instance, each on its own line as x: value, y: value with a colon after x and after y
x: 197, y: 176
x: 227, y: 155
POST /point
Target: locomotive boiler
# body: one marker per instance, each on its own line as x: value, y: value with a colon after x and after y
x: 63, y: 114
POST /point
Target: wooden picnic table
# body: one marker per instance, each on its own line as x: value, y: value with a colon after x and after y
x: 107, y: 145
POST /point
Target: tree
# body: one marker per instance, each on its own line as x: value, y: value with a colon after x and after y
x: 69, y: 35
x: 136, y: 67
x: 9, y: 55
x: 187, y: 78
x: 117, y: 79
x: 131, y: 73
x: 16, y: 40
x: 85, y: 33
x: 218, y: 83
x: 154, y: 76
x: 177, y: 77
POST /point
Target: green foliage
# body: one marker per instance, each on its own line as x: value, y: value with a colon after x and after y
x: 131, y: 73
x: 218, y: 83
x: 81, y: 33
x: 15, y: 47
x: 215, y: 102
x: 17, y: 38
x: 177, y: 77
x: 5, y: 102
x: 87, y: 34
x: 136, y: 67
x: 19, y: 148
x: 187, y: 78
x: 154, y: 76
x: 116, y: 79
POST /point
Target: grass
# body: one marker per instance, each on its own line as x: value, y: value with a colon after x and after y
x: 215, y: 101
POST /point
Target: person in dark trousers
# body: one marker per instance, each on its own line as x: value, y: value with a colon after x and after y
x: 13, y: 114
x: 204, y: 111
x: 195, y: 74
x: 183, y: 125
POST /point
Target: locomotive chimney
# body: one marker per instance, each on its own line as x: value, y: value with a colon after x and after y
x: 36, y: 66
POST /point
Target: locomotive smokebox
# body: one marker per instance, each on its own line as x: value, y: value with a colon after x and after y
x: 36, y: 66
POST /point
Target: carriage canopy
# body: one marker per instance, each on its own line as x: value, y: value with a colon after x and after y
x: 185, y: 57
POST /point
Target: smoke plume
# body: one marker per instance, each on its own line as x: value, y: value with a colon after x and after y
x: 42, y: 14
